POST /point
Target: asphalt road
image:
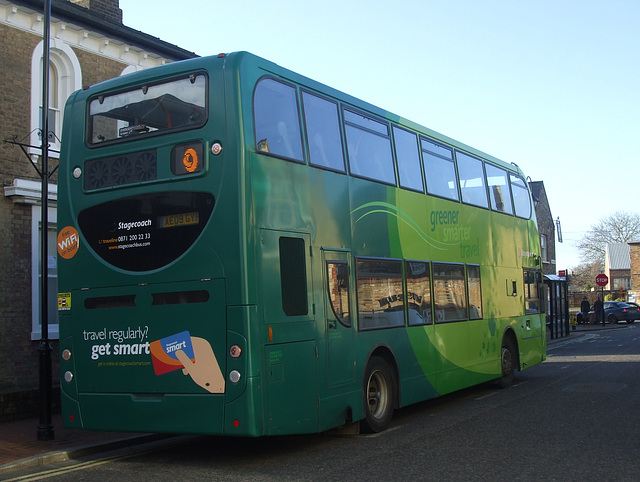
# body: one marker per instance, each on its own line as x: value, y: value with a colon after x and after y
x: 574, y: 417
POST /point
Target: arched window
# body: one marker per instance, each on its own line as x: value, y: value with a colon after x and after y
x: 65, y: 77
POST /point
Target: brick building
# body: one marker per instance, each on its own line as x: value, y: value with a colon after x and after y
x: 546, y: 226
x: 634, y: 271
x: 89, y: 44
x: 617, y: 266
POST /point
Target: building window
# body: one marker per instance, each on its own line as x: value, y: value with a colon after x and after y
x: 544, y: 248
x: 64, y: 78
x: 622, y: 283
x: 36, y: 273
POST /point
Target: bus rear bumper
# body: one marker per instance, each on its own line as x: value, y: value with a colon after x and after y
x: 160, y: 413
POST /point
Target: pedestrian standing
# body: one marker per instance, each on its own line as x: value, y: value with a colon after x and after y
x: 585, y: 307
x: 598, y: 307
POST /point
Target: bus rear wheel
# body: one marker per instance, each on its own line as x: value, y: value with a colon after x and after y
x: 378, y: 393
x: 508, y: 360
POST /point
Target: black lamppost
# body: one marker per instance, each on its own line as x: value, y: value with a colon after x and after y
x: 45, y: 427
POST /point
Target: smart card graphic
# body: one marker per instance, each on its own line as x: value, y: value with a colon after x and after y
x: 163, y: 352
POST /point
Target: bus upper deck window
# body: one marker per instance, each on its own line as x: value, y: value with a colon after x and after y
x: 521, y: 199
x: 176, y: 104
x: 277, y: 124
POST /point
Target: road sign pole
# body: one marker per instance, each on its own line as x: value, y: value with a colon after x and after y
x: 602, y: 280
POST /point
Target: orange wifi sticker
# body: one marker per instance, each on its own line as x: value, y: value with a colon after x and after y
x: 68, y: 242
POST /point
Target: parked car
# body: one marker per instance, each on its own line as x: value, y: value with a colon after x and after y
x: 615, y: 311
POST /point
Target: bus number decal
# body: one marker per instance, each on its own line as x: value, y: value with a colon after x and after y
x: 190, y: 160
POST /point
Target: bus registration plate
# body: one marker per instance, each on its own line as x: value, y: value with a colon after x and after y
x: 176, y: 220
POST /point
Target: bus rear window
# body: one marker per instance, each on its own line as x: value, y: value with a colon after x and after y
x: 149, y: 109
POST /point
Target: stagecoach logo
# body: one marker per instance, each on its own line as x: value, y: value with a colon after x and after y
x: 68, y: 242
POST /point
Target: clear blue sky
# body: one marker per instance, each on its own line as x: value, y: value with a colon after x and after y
x: 552, y: 85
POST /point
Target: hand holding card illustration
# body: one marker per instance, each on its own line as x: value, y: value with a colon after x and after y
x: 204, y: 369
x: 194, y: 355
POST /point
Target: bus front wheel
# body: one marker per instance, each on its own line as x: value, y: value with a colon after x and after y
x: 378, y: 393
x: 508, y: 361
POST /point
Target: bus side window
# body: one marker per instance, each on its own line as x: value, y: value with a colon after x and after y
x: 439, y: 170
x: 499, y: 189
x: 409, y: 168
x: 338, y: 286
x: 475, y: 292
x: 472, y: 184
x: 449, y: 292
x: 380, y: 293
x: 532, y: 281
x: 293, y: 276
x: 419, y: 304
x: 369, y: 148
x: 276, y: 120
x: 323, y: 132
x: 521, y: 198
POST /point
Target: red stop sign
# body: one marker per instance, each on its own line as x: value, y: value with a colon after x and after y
x: 602, y: 280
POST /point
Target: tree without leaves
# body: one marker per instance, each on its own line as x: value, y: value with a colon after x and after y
x: 583, y: 277
x: 620, y: 227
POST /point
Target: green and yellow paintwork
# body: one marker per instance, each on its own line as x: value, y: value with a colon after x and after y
x: 298, y: 374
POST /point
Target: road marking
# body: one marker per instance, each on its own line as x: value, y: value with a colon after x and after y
x: 65, y: 470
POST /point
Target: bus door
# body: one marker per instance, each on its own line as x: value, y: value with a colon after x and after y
x: 339, y: 319
x: 533, y: 328
x: 290, y: 335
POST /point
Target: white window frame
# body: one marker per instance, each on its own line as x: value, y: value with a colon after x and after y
x: 544, y: 248
x: 28, y: 192
x: 36, y: 218
x: 69, y: 79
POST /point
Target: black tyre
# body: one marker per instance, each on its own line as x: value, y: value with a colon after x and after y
x: 378, y: 395
x: 612, y: 319
x: 508, y: 362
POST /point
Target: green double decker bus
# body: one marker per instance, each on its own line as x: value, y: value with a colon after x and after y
x: 244, y: 251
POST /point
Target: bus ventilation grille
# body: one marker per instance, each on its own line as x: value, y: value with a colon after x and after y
x: 120, y: 170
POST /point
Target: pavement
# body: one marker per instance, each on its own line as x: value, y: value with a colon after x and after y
x: 21, y: 449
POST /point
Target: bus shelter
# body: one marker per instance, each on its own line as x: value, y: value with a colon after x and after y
x: 557, y: 305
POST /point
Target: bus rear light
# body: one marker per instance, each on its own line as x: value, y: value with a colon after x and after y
x: 68, y: 376
x: 66, y: 354
x: 234, y: 376
x: 216, y: 148
x: 235, y: 351
x: 236, y: 423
